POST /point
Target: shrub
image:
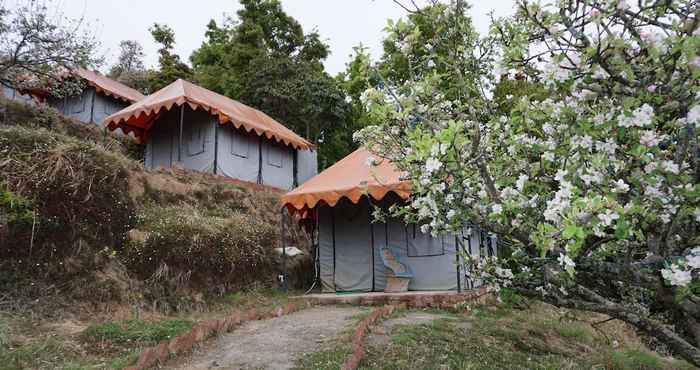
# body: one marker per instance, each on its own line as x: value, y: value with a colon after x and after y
x: 78, y: 189
x: 211, y: 248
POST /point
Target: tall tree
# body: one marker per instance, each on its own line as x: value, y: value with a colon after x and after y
x: 170, y: 66
x: 596, y: 187
x: 129, y: 68
x: 37, y: 47
x: 264, y: 59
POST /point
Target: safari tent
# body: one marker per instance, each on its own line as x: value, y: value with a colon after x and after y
x: 14, y: 94
x: 101, y: 97
x: 355, y: 254
x: 204, y: 131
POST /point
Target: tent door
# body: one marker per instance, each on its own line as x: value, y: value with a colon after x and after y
x: 353, y: 248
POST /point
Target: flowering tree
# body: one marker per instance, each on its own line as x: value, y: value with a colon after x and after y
x: 38, y: 45
x: 597, y: 185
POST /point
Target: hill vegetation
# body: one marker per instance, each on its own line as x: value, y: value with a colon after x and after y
x: 81, y: 219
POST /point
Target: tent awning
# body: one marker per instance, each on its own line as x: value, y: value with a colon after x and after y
x: 351, y: 178
x: 109, y: 86
x: 139, y: 117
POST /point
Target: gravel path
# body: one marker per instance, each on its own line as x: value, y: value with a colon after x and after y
x: 275, y: 343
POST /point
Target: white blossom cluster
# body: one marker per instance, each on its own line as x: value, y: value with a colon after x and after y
x: 681, y: 272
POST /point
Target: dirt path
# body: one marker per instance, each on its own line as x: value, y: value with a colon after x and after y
x: 274, y: 343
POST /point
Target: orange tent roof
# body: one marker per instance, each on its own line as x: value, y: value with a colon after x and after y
x: 108, y: 86
x: 351, y: 177
x: 139, y: 117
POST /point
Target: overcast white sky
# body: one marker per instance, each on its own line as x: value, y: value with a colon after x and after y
x: 342, y: 23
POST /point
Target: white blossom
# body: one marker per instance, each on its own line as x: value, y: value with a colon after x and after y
x: 520, y: 183
x: 641, y: 117
x: 496, y: 209
x: 608, y: 217
x: 650, y: 138
x: 566, y: 261
x: 620, y: 186
x: 676, y: 276
x: 432, y: 165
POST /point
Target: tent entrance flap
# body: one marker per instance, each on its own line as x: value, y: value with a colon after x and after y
x: 353, y: 248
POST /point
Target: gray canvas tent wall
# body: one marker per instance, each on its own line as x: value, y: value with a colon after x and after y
x: 341, y: 200
x: 210, y: 147
x: 88, y: 106
x: 350, y: 244
x: 100, y: 98
x: 13, y: 94
x: 208, y: 132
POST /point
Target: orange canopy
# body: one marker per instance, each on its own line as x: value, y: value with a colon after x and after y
x: 139, y: 117
x: 351, y: 177
x: 102, y: 84
x: 108, y: 86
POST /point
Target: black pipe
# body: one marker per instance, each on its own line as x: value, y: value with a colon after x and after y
x: 333, y: 233
x: 371, y: 230
x: 92, y: 107
x: 179, y: 138
x: 459, y: 270
x: 295, y: 168
x: 284, y: 252
x: 260, y: 159
x: 216, y: 147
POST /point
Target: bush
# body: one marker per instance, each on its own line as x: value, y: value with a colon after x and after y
x: 79, y: 190
x: 229, y: 249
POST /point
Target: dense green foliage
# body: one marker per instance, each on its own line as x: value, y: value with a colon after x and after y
x: 130, y: 69
x: 170, y: 66
x: 264, y: 59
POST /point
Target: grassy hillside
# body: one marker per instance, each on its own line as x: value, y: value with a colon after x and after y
x: 82, y: 220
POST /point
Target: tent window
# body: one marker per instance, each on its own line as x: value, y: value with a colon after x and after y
x: 274, y: 156
x: 195, y: 141
x: 240, y: 145
x: 78, y: 105
x: 423, y: 245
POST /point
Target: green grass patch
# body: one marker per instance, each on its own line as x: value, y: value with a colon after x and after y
x: 136, y: 332
x: 331, y: 358
x: 503, y: 338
